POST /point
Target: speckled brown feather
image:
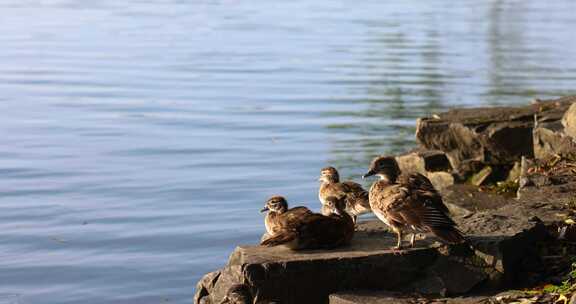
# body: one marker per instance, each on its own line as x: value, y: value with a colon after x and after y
x: 276, y: 222
x: 315, y: 231
x: 355, y: 196
x: 421, y: 188
x: 413, y: 201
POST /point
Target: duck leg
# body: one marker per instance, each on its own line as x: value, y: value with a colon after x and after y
x: 412, y: 240
x: 399, y: 235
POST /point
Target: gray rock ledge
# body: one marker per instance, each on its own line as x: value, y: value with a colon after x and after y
x: 283, y: 276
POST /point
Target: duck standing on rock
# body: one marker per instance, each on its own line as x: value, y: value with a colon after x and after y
x: 409, y: 201
x: 317, y: 231
x: 279, y: 216
x: 355, y: 197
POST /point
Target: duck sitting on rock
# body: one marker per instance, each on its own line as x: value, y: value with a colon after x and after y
x: 355, y: 197
x: 279, y: 216
x: 317, y: 231
x: 409, y: 202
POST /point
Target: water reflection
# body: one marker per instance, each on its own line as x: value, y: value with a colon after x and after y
x: 415, y: 73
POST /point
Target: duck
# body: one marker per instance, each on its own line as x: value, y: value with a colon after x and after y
x: 356, y: 198
x: 409, y: 202
x: 317, y: 231
x: 279, y: 216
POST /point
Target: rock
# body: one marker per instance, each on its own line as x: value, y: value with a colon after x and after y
x: 204, y: 286
x: 504, y: 237
x: 432, y: 164
x: 504, y: 252
x: 463, y: 135
x: 509, y: 244
x: 481, y: 177
x: 552, y: 188
x: 431, y: 285
x: 464, y: 200
x: 383, y: 297
x: 239, y: 294
x: 550, y: 139
x: 278, y: 274
x: 514, y: 173
x: 467, y: 168
x: 369, y: 297
x: 569, y: 121
x: 424, y: 161
x: 493, y: 136
x: 440, y: 180
x: 505, y: 231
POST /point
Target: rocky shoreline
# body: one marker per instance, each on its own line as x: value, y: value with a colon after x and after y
x: 508, y: 174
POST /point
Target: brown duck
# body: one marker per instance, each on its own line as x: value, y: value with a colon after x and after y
x: 409, y: 201
x: 279, y: 216
x: 315, y: 231
x: 355, y: 197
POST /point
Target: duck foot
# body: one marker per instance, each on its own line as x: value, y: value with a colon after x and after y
x: 398, y: 250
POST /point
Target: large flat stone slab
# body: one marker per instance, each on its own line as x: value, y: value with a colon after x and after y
x: 503, y: 248
x: 284, y: 276
x: 281, y: 275
x: 504, y: 235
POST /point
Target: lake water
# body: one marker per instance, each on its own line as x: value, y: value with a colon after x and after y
x: 139, y: 138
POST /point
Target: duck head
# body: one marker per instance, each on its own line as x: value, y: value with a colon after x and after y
x: 275, y: 204
x: 329, y: 175
x: 336, y: 205
x: 384, y: 167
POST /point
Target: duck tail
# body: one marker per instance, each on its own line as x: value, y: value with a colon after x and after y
x: 450, y: 235
x: 279, y: 239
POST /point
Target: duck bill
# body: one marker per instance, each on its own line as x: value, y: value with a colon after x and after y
x: 368, y: 174
x: 264, y: 209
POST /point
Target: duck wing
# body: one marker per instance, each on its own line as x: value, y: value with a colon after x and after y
x: 355, y: 191
x: 293, y: 216
x: 289, y: 225
x: 337, y: 190
x: 284, y: 237
x: 394, y: 202
x: 417, y: 203
x: 422, y: 189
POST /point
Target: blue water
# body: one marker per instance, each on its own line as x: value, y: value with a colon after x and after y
x: 139, y: 138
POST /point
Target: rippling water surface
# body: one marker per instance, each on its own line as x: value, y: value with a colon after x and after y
x: 139, y: 138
